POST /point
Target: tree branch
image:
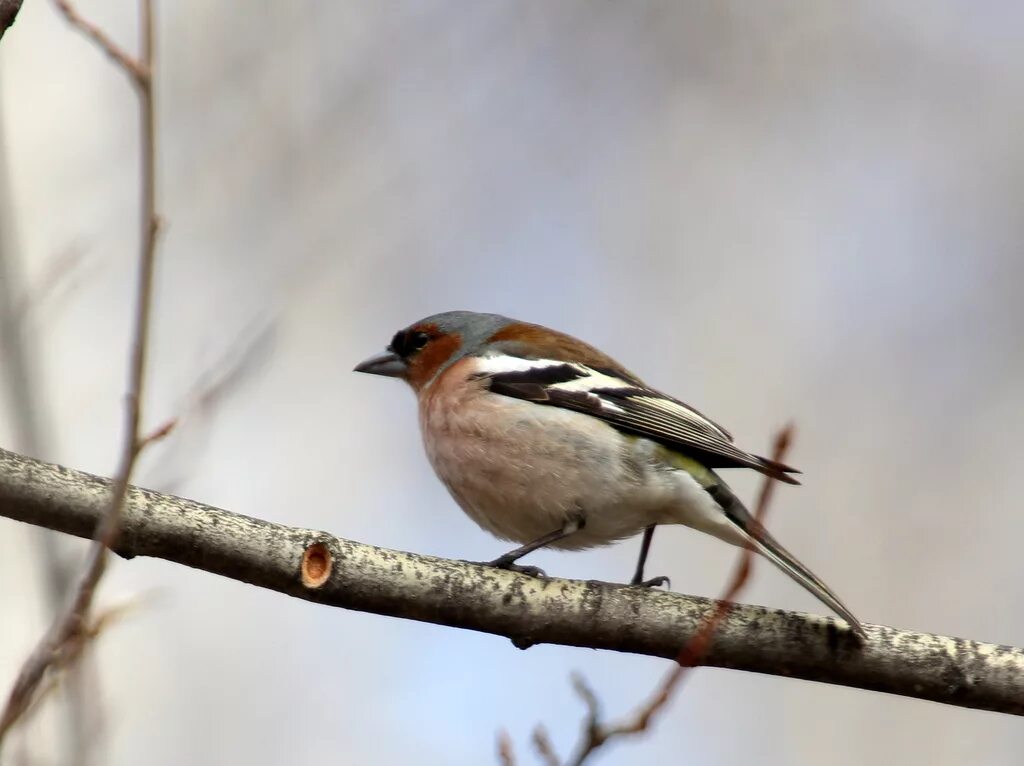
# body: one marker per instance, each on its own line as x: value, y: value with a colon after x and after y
x: 69, y: 625
x: 32, y: 433
x: 319, y: 567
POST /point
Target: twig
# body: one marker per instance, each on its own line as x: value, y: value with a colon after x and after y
x: 61, y: 275
x: 317, y: 566
x: 544, y: 747
x: 506, y: 755
x: 33, y: 433
x: 222, y: 379
x: 137, y: 69
x: 71, y: 652
x: 71, y: 625
x: 595, y: 733
x: 158, y: 433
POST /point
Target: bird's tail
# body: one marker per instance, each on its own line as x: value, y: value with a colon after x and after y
x: 763, y: 542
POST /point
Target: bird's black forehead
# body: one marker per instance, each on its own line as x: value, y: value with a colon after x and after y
x: 406, y: 342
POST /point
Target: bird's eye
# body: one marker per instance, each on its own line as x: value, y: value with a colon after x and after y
x: 408, y: 342
x: 418, y: 340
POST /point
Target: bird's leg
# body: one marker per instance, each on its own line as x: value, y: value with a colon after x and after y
x: 645, y: 547
x: 508, y: 561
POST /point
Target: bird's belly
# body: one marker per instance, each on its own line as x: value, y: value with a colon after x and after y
x: 521, y: 470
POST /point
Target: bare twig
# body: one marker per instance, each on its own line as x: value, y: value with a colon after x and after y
x: 219, y: 381
x: 71, y: 626
x: 595, y: 733
x: 63, y: 273
x: 243, y: 356
x: 33, y: 433
x: 137, y: 69
x: 71, y: 653
x: 320, y: 567
x: 158, y: 433
x: 506, y: 755
x: 544, y: 747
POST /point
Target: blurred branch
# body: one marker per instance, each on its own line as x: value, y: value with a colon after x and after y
x: 236, y: 366
x: 70, y: 654
x: 505, y: 756
x: 71, y: 626
x: 544, y: 747
x: 8, y: 13
x: 26, y: 405
x: 61, y: 276
x: 319, y: 567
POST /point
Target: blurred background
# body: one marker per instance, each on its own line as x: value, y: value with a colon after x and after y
x: 776, y: 211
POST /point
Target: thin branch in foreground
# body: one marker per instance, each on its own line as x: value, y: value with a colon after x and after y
x: 24, y: 386
x: 597, y: 734
x: 234, y: 367
x: 544, y: 747
x: 506, y: 757
x: 137, y: 69
x: 459, y: 594
x: 72, y: 625
x: 61, y: 276
x: 71, y: 653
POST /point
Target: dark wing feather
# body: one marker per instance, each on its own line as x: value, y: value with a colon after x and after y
x: 633, y: 409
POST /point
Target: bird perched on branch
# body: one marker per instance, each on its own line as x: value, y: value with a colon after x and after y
x: 545, y: 441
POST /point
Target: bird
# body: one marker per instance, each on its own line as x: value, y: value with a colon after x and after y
x: 545, y: 441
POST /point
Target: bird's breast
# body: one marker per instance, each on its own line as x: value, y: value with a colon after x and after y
x: 521, y: 469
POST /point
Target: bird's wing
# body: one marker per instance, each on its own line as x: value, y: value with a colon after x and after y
x: 625, y: 403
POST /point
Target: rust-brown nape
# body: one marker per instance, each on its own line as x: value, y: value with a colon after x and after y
x: 551, y: 344
x: 424, y: 364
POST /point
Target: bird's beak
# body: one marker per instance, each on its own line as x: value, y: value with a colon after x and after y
x: 388, y: 364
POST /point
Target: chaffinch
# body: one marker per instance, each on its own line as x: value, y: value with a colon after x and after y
x: 545, y: 441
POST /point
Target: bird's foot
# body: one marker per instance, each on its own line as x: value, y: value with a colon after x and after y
x: 502, y: 563
x: 654, y: 582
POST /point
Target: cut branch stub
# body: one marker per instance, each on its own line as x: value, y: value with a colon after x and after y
x: 317, y: 564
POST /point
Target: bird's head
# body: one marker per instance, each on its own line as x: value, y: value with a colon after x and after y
x: 420, y: 352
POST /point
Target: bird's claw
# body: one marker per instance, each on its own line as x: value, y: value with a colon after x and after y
x: 526, y: 570
x: 512, y: 566
x: 654, y: 582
